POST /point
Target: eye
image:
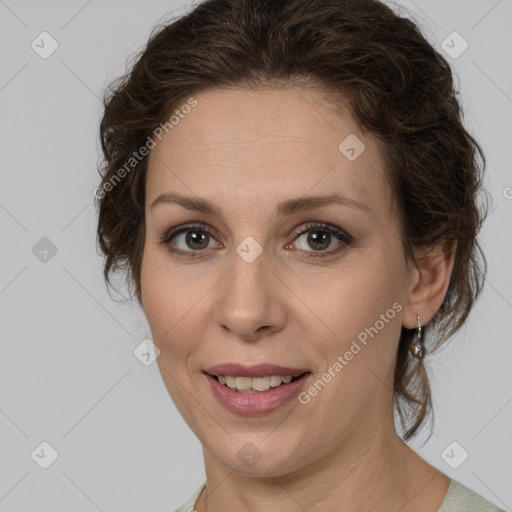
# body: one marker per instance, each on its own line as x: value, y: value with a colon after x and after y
x: 194, y: 240
x: 197, y: 239
x: 320, y: 236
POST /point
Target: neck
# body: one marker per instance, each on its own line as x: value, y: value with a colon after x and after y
x: 355, y: 476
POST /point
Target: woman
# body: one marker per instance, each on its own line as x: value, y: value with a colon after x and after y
x: 293, y: 194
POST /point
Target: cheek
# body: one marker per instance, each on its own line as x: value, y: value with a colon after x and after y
x: 357, y: 295
x: 361, y: 323
x: 362, y: 311
x: 165, y: 311
x: 174, y: 304
x: 160, y: 295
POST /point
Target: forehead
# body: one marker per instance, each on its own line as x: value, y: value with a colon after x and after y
x: 266, y: 143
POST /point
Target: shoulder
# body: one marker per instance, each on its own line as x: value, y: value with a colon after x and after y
x: 460, y: 498
x: 188, y: 506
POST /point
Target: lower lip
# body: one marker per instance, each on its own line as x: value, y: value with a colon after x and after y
x: 256, y: 404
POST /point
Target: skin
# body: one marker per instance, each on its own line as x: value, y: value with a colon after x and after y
x: 245, y: 152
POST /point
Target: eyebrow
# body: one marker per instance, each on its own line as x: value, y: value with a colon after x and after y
x: 288, y: 207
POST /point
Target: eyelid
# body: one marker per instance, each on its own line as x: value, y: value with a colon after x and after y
x: 185, y: 227
x: 199, y: 226
x: 346, y: 237
x: 342, y: 235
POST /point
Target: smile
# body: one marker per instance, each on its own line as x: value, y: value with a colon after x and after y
x: 255, y: 396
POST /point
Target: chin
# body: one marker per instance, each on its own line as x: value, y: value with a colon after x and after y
x: 255, y: 455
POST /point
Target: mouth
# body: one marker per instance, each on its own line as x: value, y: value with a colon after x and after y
x: 256, y: 396
x: 251, y: 385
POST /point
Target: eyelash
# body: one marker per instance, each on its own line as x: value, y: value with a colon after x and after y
x: 322, y: 227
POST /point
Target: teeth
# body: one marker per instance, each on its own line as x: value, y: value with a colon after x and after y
x: 230, y: 382
x: 275, y: 380
x: 243, y: 383
x: 249, y: 385
x: 260, y: 383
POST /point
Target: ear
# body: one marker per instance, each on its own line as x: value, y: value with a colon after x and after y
x: 429, y: 282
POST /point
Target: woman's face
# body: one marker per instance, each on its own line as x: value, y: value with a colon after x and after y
x: 240, y: 286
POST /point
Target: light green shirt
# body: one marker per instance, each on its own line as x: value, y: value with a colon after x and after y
x: 459, y: 498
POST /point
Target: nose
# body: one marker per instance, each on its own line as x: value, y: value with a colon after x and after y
x: 249, y: 301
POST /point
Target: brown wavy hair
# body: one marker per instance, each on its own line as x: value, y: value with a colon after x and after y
x: 398, y: 88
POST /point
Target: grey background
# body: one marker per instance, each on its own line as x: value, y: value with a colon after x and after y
x: 68, y: 375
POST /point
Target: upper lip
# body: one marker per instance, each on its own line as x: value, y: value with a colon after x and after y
x: 259, y: 370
